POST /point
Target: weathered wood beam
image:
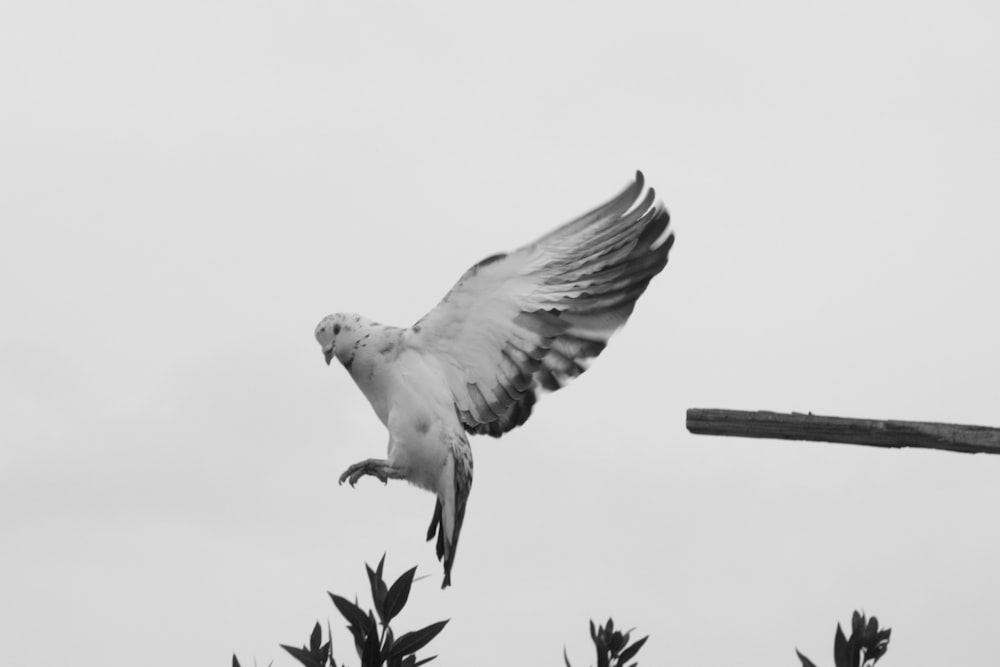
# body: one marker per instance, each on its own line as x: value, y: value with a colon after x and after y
x: 874, y: 432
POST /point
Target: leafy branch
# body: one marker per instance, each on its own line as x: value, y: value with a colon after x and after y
x: 613, y: 648
x: 375, y: 647
x: 865, y: 647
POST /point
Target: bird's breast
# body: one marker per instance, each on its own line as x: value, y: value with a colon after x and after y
x: 421, y: 417
x: 407, y: 384
x: 375, y: 380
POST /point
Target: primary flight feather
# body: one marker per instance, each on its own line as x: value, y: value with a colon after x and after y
x: 513, y: 325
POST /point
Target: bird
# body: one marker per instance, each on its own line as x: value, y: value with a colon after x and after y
x: 514, y: 325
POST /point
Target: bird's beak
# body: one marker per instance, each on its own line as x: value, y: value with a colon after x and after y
x: 328, y: 355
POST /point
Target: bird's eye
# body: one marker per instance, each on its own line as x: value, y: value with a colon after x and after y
x: 336, y: 329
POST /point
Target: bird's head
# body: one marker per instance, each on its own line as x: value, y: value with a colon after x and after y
x: 327, y: 332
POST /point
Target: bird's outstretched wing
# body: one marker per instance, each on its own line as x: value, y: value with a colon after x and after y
x: 534, y: 317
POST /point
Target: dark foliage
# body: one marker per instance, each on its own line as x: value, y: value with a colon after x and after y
x: 613, y: 648
x: 864, y: 648
x: 375, y: 647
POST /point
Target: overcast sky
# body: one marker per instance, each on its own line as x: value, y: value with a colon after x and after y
x: 188, y: 187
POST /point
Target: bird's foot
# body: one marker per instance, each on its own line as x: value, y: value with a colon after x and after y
x: 374, y: 467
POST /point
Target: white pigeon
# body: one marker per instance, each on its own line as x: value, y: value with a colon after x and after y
x: 513, y: 325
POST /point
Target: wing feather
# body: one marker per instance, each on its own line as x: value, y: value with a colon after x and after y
x: 532, y: 319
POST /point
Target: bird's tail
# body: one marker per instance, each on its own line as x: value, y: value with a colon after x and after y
x: 449, y: 510
x: 436, y: 529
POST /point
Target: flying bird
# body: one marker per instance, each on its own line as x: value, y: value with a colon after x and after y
x: 514, y: 324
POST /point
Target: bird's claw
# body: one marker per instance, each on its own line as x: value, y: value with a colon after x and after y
x: 359, y: 470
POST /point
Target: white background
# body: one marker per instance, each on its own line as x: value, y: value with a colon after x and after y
x: 186, y: 188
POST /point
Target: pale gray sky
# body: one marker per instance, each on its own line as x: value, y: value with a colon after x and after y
x: 187, y: 187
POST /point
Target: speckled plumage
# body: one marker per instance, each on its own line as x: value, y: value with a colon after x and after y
x: 514, y: 324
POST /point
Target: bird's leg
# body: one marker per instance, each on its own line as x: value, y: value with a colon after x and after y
x: 374, y: 467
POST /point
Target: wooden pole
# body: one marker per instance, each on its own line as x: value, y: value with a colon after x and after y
x: 874, y: 432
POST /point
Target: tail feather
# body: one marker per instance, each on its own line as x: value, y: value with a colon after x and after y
x: 449, y: 512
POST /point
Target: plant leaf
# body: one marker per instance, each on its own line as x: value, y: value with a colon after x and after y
x: 381, y: 566
x: 353, y: 614
x: 359, y: 639
x: 602, y: 650
x: 630, y: 651
x: 370, y: 657
x: 381, y: 581
x: 315, y: 639
x: 387, y: 644
x: 806, y: 662
x: 424, y: 661
x: 617, y: 642
x: 236, y: 663
x: 302, y: 655
x: 398, y: 594
x: 329, y: 644
x: 373, y: 581
x: 841, y: 655
x: 412, y: 642
x: 566, y: 657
